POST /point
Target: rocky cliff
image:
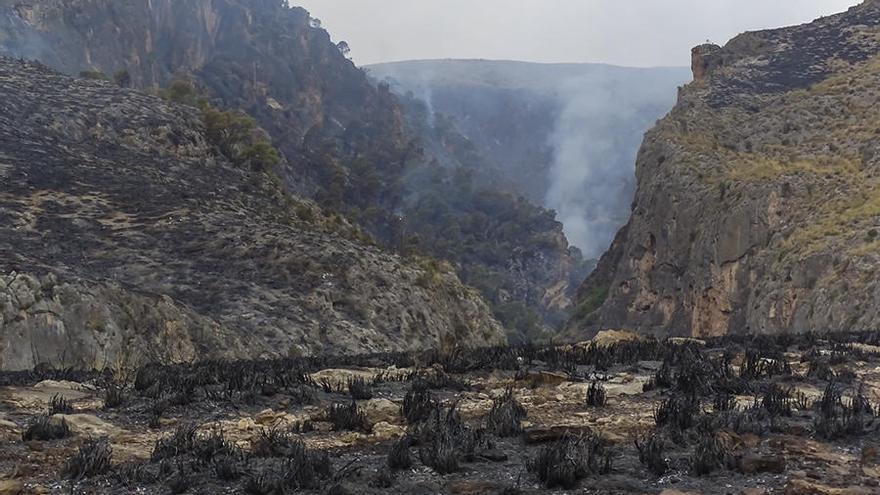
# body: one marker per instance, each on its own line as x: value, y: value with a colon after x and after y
x: 757, y: 201
x: 124, y: 238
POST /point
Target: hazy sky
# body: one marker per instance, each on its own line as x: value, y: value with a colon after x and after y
x: 622, y: 32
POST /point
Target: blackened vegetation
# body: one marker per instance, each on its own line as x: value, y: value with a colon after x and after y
x: 695, y: 388
x: 92, y: 459
x: 596, y: 396
x: 679, y: 412
x: 399, y: 454
x: 506, y: 415
x: 777, y: 401
x: 651, y: 453
x: 840, y: 418
x: 114, y: 396
x: 359, y: 389
x: 418, y: 403
x: 60, y: 405
x: 569, y: 460
x: 43, y: 427
x: 347, y: 416
x: 445, y: 440
x: 710, y: 454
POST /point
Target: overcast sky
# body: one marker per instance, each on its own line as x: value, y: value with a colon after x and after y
x: 623, y: 32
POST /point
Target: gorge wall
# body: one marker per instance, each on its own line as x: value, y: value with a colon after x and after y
x: 756, y: 206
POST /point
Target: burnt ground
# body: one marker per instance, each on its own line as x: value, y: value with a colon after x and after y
x: 735, y: 415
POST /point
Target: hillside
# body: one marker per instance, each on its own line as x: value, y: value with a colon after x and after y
x: 756, y: 209
x: 125, y: 237
x: 347, y: 142
x: 563, y: 135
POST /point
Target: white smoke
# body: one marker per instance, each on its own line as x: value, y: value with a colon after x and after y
x: 604, y: 115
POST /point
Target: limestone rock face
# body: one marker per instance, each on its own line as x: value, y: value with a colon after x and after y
x: 125, y: 238
x: 756, y: 208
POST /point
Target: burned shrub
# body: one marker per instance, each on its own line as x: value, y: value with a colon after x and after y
x: 440, y: 454
x: 418, y: 403
x: 44, y: 427
x: 299, y: 469
x: 777, y: 401
x: 723, y: 401
x: 347, y: 416
x: 114, y: 397
x: 265, y: 482
x: 92, y: 459
x: 650, y: 448
x: 662, y: 378
x: 821, y: 370
x: 564, y: 463
x: 59, y: 405
x: 227, y: 468
x: 303, y: 468
x: 213, y: 445
x: 596, y: 396
x: 274, y: 442
x: 758, y: 365
x: 384, y: 478
x: 359, y: 388
x: 446, y: 439
x: 506, y: 415
x: 178, y: 443
x: 839, y: 419
x: 399, y: 455
x: 709, y: 455
x: 677, y: 411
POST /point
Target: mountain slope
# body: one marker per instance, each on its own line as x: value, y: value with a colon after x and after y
x: 125, y: 237
x: 348, y: 143
x: 756, y: 208
x: 563, y: 135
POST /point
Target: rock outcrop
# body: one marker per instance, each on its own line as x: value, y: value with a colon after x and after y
x: 124, y: 238
x: 756, y: 209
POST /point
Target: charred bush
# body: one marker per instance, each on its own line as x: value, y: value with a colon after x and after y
x: 114, y: 397
x: 347, y: 416
x: 59, y: 405
x: 677, y: 411
x: 266, y: 482
x: 359, y: 389
x: 506, y: 415
x: 92, y: 459
x: 837, y: 418
x: 709, y: 455
x: 564, y: 463
x: 596, y: 396
x: 304, y: 468
x: 44, y: 427
x: 650, y: 448
x: 723, y: 401
x: 399, y: 455
x: 178, y: 443
x: 759, y: 365
x: 418, y: 403
x: 777, y: 401
x: 227, y: 468
x: 440, y: 454
x: 446, y: 439
x: 213, y: 445
x: 274, y: 442
x: 820, y: 369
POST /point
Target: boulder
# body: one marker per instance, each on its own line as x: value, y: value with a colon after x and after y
x: 752, y: 463
x: 87, y: 425
x: 381, y: 410
x: 11, y: 487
